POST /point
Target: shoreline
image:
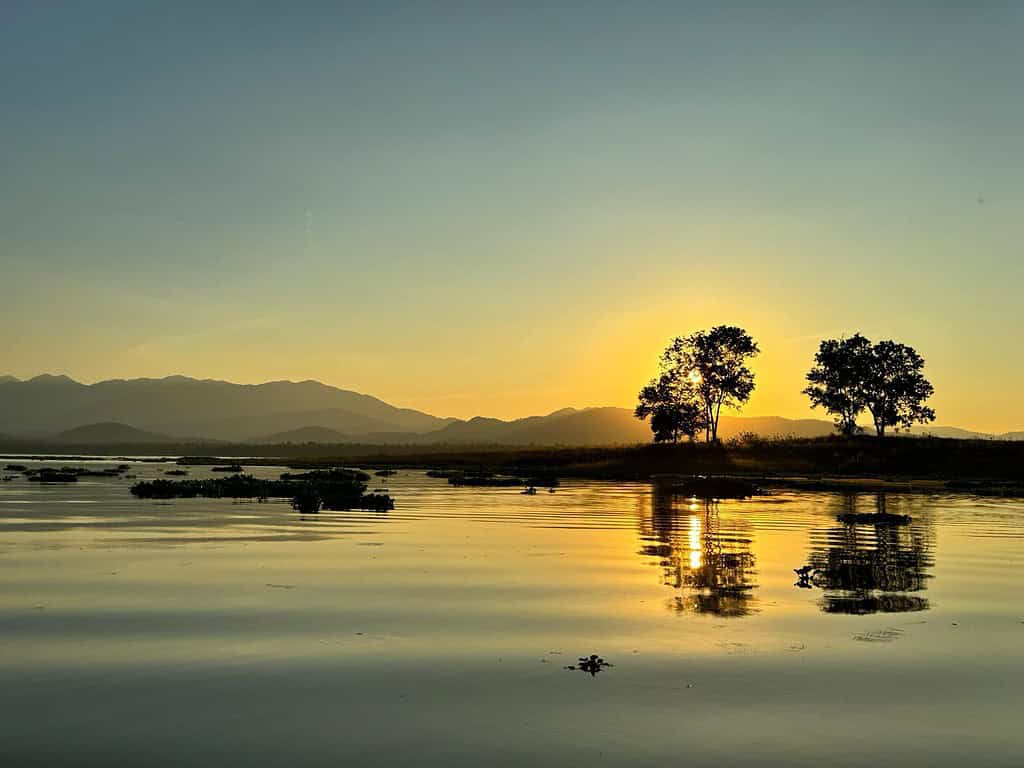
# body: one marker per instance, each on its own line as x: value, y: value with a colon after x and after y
x: 898, y: 465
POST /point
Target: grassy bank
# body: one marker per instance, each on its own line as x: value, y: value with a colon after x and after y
x: 898, y: 460
x: 859, y: 463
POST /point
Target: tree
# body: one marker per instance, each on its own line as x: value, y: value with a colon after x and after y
x: 853, y: 375
x: 835, y: 381
x: 715, y: 364
x: 672, y: 407
x: 895, y: 389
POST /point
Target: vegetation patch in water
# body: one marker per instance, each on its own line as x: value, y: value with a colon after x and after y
x: 874, y: 518
x: 50, y: 475
x: 67, y: 474
x: 329, y: 475
x: 591, y: 664
x: 485, y: 481
x: 336, y: 490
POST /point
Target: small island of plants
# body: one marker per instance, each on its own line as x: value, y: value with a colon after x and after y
x: 332, y: 489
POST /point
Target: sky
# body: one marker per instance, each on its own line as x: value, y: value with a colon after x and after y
x: 472, y: 208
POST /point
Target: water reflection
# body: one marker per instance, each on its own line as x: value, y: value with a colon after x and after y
x: 866, y: 565
x: 708, y: 564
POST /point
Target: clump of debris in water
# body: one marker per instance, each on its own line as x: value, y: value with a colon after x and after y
x: 592, y: 664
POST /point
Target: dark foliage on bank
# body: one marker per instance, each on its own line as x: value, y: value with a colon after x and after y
x: 970, y: 466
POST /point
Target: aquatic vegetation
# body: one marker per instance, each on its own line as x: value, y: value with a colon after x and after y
x: 54, y: 475
x: 176, y: 472
x: 874, y: 518
x: 444, y: 474
x: 592, y: 664
x: 336, y: 490
x: 227, y: 468
x: 485, y: 481
x: 334, y: 474
x: 50, y: 475
x: 307, y: 500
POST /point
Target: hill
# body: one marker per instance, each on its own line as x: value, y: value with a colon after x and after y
x: 593, y: 426
x: 110, y: 433
x: 303, y: 435
x: 604, y: 426
x: 146, y: 411
x: 213, y: 409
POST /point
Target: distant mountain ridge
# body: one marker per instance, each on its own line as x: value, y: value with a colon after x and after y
x: 110, y: 432
x: 180, y: 409
x: 178, y: 405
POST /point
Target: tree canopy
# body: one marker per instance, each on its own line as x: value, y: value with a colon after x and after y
x: 834, y: 383
x: 700, y: 374
x: 886, y: 379
x: 672, y: 407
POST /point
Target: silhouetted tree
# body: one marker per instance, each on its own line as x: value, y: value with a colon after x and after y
x: 895, y: 389
x: 853, y: 375
x: 840, y: 369
x: 715, y: 365
x: 672, y: 407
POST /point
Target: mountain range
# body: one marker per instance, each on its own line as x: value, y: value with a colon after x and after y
x: 60, y: 410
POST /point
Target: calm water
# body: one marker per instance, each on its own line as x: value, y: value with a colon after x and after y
x: 198, y: 632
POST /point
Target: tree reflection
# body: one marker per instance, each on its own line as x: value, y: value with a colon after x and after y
x: 709, y: 568
x: 867, y: 565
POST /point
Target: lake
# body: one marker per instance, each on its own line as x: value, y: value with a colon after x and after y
x: 203, y: 632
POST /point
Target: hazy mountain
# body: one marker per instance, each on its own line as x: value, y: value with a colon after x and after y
x: 966, y: 434
x: 178, y: 405
x: 600, y: 426
x: 773, y: 426
x: 110, y: 432
x: 303, y: 435
x: 610, y: 426
x: 955, y: 432
x: 593, y: 426
x: 176, y: 408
